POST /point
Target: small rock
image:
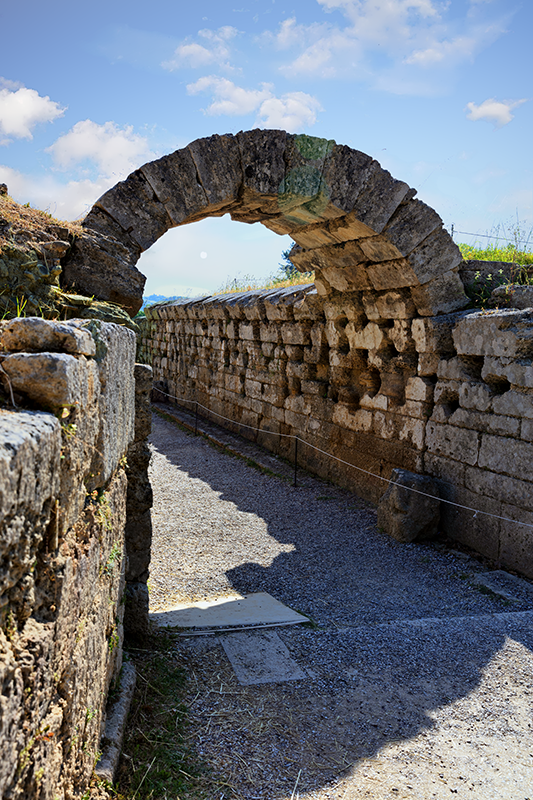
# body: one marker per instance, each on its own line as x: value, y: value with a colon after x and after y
x: 3, y: 188
x: 407, y: 515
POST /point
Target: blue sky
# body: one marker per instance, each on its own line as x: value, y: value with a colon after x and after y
x: 436, y: 91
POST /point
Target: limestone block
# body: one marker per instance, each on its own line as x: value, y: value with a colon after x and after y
x: 410, y: 225
x: 343, y: 229
x: 508, y: 456
x: 512, y: 295
x: 116, y: 278
x: 369, y: 338
x: 137, y: 210
x: 428, y: 364
x: 440, y: 295
x: 417, y: 388
x: 378, y: 248
x: 457, y: 443
x: 360, y: 420
x: 391, y: 274
x: 434, y: 335
x: 374, y: 402
x: 474, y: 395
x: 274, y: 395
x: 298, y: 404
x: 344, y: 174
x: 445, y: 469
x: 347, y: 279
x: 507, y: 334
x: 34, y: 334
x: 400, y: 335
x: 409, y: 515
x: 341, y: 256
x: 115, y: 356
x: 295, y: 333
x: 514, y: 404
x: 174, y: 180
x: 516, y: 541
x: 30, y: 449
x: 218, y: 163
x: 499, y: 487
x: 263, y: 166
x: 435, y: 256
x: 518, y: 373
x: 526, y: 430
x: 52, y: 380
x: 391, y: 305
x: 314, y: 387
x: 379, y: 198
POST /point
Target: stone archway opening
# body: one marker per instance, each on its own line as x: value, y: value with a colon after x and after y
x: 355, y: 225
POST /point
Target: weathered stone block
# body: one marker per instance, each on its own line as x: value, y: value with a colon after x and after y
x: 499, y: 487
x: 514, y: 404
x: 360, y: 420
x: 419, y: 389
x: 53, y: 380
x: 510, y: 457
x: 507, y: 334
x: 34, y: 334
x: 456, y: 443
x: 516, y: 540
x: 218, y: 163
x: 174, y: 180
x: 518, y: 373
x: 133, y: 204
x: 410, y: 508
x: 440, y: 295
x: 379, y: 198
x: 475, y: 395
x: 410, y: 225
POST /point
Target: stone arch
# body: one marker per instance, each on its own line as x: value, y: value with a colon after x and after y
x: 355, y: 225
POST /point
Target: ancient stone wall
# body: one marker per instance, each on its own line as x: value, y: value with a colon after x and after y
x: 369, y: 380
x: 63, y: 512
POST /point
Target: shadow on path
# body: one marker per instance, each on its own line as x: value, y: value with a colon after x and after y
x: 411, y: 670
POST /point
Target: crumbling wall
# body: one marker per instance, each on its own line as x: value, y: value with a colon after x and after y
x: 367, y: 379
x: 63, y: 510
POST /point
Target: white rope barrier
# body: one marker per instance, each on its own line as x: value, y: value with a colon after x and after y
x: 475, y: 511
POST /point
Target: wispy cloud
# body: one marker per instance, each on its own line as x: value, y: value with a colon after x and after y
x: 215, y: 49
x: 383, y: 37
x: 64, y: 200
x: 292, y: 111
x: 113, y: 151
x: 496, y: 111
x: 21, y: 109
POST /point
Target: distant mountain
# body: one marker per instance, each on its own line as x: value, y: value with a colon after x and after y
x: 156, y: 298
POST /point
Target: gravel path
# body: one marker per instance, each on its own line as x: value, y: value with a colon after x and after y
x: 419, y: 684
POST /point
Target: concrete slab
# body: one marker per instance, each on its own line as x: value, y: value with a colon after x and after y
x: 250, y: 610
x: 260, y: 658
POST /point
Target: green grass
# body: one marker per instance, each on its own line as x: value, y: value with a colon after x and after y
x: 494, y: 252
x: 157, y: 762
x: 248, y: 283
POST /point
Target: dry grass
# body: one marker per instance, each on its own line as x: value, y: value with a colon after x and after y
x: 18, y: 217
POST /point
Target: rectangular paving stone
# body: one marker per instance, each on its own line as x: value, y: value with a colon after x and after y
x: 260, y: 658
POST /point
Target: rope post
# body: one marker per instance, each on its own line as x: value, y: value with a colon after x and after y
x: 196, y: 418
x: 295, y: 483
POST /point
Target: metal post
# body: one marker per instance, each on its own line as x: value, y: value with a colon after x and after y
x: 295, y: 460
x: 196, y: 418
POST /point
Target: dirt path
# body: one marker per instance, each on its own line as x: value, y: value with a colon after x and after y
x: 418, y: 685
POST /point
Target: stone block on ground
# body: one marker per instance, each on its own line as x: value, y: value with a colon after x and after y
x: 405, y: 511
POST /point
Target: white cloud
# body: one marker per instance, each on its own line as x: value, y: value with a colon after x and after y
x: 114, y: 151
x: 388, y: 42
x: 229, y: 98
x: 496, y: 111
x: 22, y: 109
x: 63, y: 200
x: 292, y: 112
x: 193, y: 54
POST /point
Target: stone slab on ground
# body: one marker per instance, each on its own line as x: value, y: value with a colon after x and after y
x: 258, y: 608
x: 260, y: 658
x: 505, y: 584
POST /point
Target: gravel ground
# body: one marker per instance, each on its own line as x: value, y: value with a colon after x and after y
x: 419, y: 683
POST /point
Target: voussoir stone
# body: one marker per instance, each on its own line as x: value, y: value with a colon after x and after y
x: 410, y: 508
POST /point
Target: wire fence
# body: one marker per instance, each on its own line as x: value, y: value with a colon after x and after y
x: 296, y: 438
x: 496, y: 237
